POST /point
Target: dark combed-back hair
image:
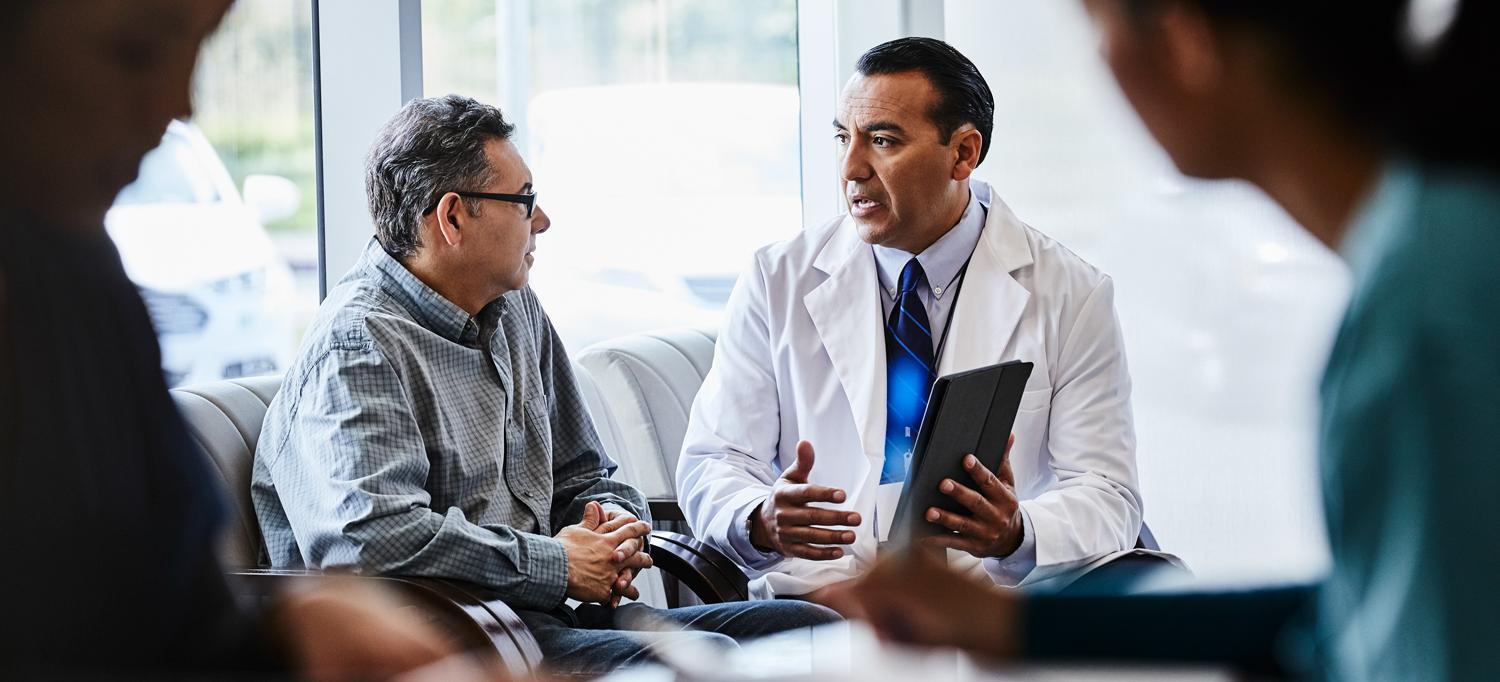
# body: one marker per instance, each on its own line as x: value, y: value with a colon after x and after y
x: 432, y: 146
x: 1426, y: 100
x: 962, y: 94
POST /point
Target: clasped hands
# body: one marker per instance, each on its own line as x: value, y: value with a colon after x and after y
x: 786, y: 523
x: 605, y: 551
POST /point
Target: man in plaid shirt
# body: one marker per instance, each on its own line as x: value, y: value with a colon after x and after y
x: 431, y: 424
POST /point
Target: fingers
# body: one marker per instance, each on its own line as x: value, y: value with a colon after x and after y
x: 630, y: 530
x: 1006, y: 475
x: 962, y: 525
x: 622, y: 587
x: 971, y: 500
x: 628, y: 548
x: 799, y: 471
x: 637, y: 562
x: 593, y: 515
x: 1001, y: 495
x: 620, y: 520
x: 629, y: 591
x: 802, y: 493
x: 816, y: 536
x: 813, y: 552
x: 810, y: 516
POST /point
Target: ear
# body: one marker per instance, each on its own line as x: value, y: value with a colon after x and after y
x: 450, y: 215
x: 1191, y: 46
x: 966, y: 143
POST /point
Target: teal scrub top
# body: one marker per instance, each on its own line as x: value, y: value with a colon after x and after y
x: 1410, y: 460
x: 1410, y: 452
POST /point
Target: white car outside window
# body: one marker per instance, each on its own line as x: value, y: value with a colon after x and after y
x: 219, y: 295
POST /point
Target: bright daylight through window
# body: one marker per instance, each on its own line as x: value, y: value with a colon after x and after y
x: 662, y: 134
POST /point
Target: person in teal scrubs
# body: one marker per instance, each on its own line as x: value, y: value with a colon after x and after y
x: 1365, y: 126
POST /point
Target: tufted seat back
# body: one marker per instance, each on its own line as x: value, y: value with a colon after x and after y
x: 224, y: 417
x: 642, y: 389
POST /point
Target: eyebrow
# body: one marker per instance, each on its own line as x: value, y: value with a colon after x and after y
x: 875, y: 127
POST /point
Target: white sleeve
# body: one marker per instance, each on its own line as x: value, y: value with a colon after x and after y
x: 728, y: 461
x: 1094, y: 508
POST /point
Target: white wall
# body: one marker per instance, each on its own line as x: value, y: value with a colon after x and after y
x: 370, y: 63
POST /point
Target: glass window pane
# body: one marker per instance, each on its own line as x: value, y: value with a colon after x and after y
x: 662, y: 134
x: 1226, y: 305
x: 219, y: 230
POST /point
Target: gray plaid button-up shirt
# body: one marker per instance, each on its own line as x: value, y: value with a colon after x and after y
x: 409, y: 438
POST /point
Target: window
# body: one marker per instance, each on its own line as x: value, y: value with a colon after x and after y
x: 219, y: 229
x: 1227, y: 306
x: 663, y: 135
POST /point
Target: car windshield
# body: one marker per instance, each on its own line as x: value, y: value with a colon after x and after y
x: 171, y: 174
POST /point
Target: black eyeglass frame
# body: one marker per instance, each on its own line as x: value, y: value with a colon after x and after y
x: 527, y: 200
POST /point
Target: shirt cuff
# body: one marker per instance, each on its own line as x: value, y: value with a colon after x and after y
x: 547, y: 572
x: 1011, y: 570
x: 739, y: 541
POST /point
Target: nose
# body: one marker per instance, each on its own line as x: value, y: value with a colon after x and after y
x: 174, y: 95
x: 540, y: 220
x: 856, y: 164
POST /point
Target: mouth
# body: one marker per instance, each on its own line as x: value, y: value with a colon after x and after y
x: 862, y: 206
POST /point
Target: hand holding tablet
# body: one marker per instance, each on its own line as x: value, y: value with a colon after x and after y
x: 961, y: 492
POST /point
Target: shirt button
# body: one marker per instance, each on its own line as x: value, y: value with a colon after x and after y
x: 937, y: 290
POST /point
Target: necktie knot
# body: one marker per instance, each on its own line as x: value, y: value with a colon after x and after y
x: 912, y: 276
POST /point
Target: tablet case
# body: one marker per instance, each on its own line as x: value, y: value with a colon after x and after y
x: 969, y: 412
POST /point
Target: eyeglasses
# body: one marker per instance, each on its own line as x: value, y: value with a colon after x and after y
x: 527, y: 200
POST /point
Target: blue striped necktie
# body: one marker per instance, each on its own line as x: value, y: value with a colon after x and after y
x: 908, y: 372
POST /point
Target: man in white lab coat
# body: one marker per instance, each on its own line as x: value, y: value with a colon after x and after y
x: 799, y: 441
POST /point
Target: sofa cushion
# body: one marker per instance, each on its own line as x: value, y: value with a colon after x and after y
x: 645, y: 385
x: 224, y: 418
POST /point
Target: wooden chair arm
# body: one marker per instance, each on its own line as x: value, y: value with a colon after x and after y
x: 704, y: 570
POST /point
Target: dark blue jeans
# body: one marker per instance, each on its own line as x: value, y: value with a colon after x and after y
x: 594, y: 640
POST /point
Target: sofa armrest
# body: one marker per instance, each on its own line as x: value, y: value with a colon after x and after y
x: 704, y: 570
x: 477, y: 621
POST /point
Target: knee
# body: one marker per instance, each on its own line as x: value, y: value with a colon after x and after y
x: 717, y: 640
x: 795, y: 613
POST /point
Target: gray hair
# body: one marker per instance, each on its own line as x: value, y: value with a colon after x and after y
x: 430, y: 147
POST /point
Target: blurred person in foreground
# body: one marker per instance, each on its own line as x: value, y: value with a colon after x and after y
x: 111, y: 514
x: 1362, y: 125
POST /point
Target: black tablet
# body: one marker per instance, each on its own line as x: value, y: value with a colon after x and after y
x: 968, y: 412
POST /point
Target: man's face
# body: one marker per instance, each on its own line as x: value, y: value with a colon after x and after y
x: 93, y: 85
x: 502, y: 237
x: 897, y: 169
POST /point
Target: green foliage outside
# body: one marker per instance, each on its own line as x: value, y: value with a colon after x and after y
x: 253, y: 98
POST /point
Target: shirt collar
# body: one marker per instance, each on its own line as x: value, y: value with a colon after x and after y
x: 429, y: 308
x: 1388, y: 206
x: 943, y: 259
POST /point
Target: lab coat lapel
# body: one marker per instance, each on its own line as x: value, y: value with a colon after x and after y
x: 845, y: 309
x: 991, y: 301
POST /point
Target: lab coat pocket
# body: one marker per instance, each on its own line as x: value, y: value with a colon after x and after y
x: 1036, y: 399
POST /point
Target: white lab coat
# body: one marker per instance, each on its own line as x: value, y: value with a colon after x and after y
x: 802, y: 357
